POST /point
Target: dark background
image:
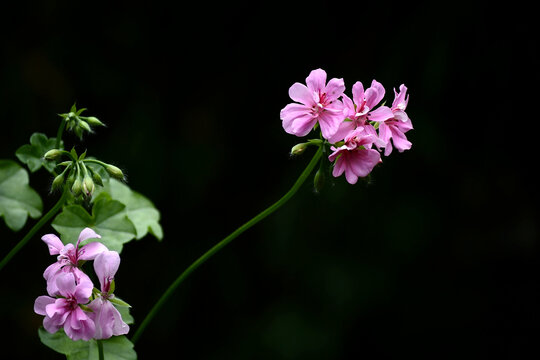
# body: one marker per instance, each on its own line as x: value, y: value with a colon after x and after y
x: 436, y: 257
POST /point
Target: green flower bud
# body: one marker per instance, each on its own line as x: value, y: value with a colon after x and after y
x: 52, y: 154
x: 114, y: 172
x: 77, y: 188
x: 88, y: 186
x: 299, y: 148
x: 84, y: 125
x: 57, y: 182
x: 93, y: 121
x: 319, y: 180
x: 97, y: 179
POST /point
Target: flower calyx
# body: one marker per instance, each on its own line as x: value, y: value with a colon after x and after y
x: 79, y: 124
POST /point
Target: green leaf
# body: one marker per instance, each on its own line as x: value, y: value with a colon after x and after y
x: 124, y: 312
x: 139, y: 209
x: 17, y: 198
x: 32, y: 154
x: 108, y: 219
x: 114, y: 348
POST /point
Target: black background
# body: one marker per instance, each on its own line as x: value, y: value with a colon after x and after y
x: 436, y: 257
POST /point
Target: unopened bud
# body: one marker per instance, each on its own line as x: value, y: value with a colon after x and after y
x: 93, y: 121
x: 114, y: 172
x: 57, y: 182
x: 299, y: 148
x: 52, y: 154
x: 97, y: 179
x: 88, y: 186
x: 319, y: 180
x: 76, y: 189
x: 84, y: 125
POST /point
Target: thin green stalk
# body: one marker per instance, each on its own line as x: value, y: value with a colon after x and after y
x: 224, y: 242
x: 60, y: 133
x: 35, y: 228
x: 100, y: 350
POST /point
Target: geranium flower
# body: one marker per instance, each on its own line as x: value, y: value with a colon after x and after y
x: 70, y: 256
x: 354, y: 157
x: 318, y: 104
x: 65, y: 311
x: 106, y: 317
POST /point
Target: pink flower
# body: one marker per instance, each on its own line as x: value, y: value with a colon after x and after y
x: 396, y: 127
x: 353, y: 157
x: 360, y: 110
x: 318, y: 103
x: 106, y: 317
x: 69, y: 257
x: 65, y: 311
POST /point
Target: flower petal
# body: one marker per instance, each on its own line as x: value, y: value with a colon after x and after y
x: 91, y: 250
x: 54, y: 243
x: 374, y: 94
x: 334, y: 89
x: 358, y: 93
x: 316, y: 80
x: 106, y: 265
x: 300, y: 93
x: 65, y: 282
x: 86, y: 234
x: 41, y: 302
x: 380, y: 114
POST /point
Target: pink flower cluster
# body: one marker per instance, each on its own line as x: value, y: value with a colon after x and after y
x: 73, y: 304
x: 352, y: 127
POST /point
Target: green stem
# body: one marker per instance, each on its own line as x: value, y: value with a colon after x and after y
x: 100, y: 349
x: 224, y: 242
x: 35, y: 228
x: 60, y: 133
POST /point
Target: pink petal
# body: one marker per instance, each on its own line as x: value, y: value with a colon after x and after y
x: 65, y: 282
x: 329, y: 123
x: 334, y: 89
x: 344, y: 128
x: 339, y: 166
x: 79, y: 326
x: 363, y: 161
x: 40, y: 304
x: 58, y: 307
x: 316, y: 81
x: 86, y: 234
x: 107, y: 319
x: 358, y: 93
x: 374, y: 94
x: 400, y: 140
x: 300, y: 93
x: 91, y: 250
x: 301, y: 126
x: 52, y: 325
x: 54, y: 243
x: 293, y: 111
x: 380, y: 114
x: 106, y: 265
x: 53, y: 269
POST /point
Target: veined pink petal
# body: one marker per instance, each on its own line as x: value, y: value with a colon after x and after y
x: 301, y: 126
x: 41, y: 302
x: 79, y: 326
x: 402, y: 117
x: 53, y: 269
x: 344, y: 128
x: 334, y: 89
x: 300, y: 93
x: 358, y: 93
x: 66, y: 284
x: 339, y: 166
x: 374, y: 94
x: 329, y: 123
x: 91, y: 250
x: 86, y: 234
x: 351, y: 177
x: 384, y: 133
x: 106, y: 265
x: 382, y: 113
x: 316, y: 81
x: 293, y: 111
x: 58, y: 307
x: 107, y: 319
x: 363, y: 161
x: 400, y: 99
x: 53, y: 324
x: 54, y: 243
x: 400, y: 140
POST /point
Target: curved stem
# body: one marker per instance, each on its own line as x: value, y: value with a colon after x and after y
x: 60, y: 133
x: 35, y: 228
x: 225, y: 241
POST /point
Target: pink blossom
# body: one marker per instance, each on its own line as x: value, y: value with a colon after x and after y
x: 395, y: 127
x: 106, y: 317
x: 360, y: 110
x: 355, y: 158
x: 69, y: 257
x: 65, y: 311
x: 318, y: 104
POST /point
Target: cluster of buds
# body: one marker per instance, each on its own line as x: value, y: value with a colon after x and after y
x: 73, y: 303
x: 356, y: 130
x: 77, y: 175
x: 79, y: 124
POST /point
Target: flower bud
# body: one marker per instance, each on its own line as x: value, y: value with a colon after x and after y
x: 93, y: 121
x: 76, y: 189
x: 299, y: 148
x: 57, y: 182
x: 52, y: 154
x: 88, y: 186
x: 84, y: 125
x: 97, y: 179
x: 114, y: 172
x: 319, y: 180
